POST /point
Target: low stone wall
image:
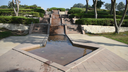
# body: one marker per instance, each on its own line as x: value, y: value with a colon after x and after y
x: 19, y: 27
x: 101, y: 29
x: 48, y: 12
x: 62, y: 12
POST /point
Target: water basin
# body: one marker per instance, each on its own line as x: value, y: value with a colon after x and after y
x: 60, y: 50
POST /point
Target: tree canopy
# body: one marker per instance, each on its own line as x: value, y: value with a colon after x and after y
x: 99, y: 4
x: 121, y: 6
x: 4, y: 6
x: 79, y: 5
x: 108, y: 6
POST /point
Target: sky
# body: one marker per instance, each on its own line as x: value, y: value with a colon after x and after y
x: 57, y: 3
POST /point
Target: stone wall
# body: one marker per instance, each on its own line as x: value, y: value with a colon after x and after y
x: 101, y: 29
x: 19, y: 27
x: 62, y: 13
x: 48, y: 12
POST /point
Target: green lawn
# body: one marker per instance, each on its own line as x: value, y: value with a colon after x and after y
x: 6, y: 33
x: 121, y: 37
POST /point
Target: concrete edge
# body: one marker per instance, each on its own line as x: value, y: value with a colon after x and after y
x: 67, y: 67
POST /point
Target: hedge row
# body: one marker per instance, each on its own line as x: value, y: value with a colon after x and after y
x: 24, y: 10
x: 103, y: 22
x: 21, y: 10
x: 17, y: 20
x: 8, y: 13
x: 83, y: 15
x: 54, y: 8
x: 75, y: 10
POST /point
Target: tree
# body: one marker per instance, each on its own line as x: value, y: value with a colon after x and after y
x: 112, y: 7
x: 34, y: 5
x: 99, y: 4
x: 117, y: 26
x: 79, y: 5
x: 23, y: 6
x: 120, y: 6
x: 17, y: 4
x: 107, y: 6
x: 4, y: 6
x: 95, y: 7
x: 87, y: 6
x: 10, y: 4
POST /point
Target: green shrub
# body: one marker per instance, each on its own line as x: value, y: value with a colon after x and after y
x: 5, y: 34
x: 35, y: 14
x: 54, y: 8
x: 103, y: 22
x: 22, y: 12
x: 119, y: 12
x: 61, y: 9
x: 17, y: 20
x: 72, y: 16
x: 84, y: 15
x: 75, y: 10
x: 30, y: 7
x: 41, y: 15
x: 39, y: 10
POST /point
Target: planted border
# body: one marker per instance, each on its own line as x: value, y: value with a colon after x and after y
x: 17, y: 20
x: 103, y: 22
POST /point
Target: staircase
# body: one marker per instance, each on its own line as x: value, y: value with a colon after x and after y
x: 39, y: 28
x: 73, y: 29
x: 57, y: 26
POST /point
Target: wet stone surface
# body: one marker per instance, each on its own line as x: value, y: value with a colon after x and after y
x: 59, y: 49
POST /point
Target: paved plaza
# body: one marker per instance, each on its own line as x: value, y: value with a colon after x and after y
x: 113, y: 58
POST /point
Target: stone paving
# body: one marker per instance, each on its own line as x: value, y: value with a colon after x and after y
x: 113, y: 58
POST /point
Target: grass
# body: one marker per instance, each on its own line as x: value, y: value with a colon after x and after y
x: 6, y: 33
x: 121, y: 37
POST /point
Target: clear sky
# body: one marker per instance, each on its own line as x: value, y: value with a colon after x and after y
x: 56, y: 3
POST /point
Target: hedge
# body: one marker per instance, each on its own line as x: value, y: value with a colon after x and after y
x: 83, y: 15
x: 17, y: 20
x: 54, y: 8
x: 22, y: 11
x: 8, y: 13
x: 39, y: 10
x: 30, y: 7
x: 103, y: 22
x: 75, y: 10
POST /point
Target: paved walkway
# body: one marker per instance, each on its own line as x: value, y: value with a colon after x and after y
x: 114, y: 58
x: 116, y: 47
x: 8, y: 43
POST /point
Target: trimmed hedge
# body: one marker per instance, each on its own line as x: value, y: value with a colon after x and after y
x: 30, y: 7
x: 54, y: 8
x: 8, y: 13
x: 103, y: 22
x: 36, y: 12
x: 39, y: 10
x: 21, y: 10
x: 83, y: 15
x: 17, y: 20
x: 75, y: 10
